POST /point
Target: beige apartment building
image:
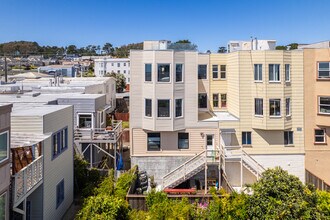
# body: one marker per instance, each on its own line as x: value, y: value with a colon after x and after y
x: 242, y: 111
x: 317, y: 113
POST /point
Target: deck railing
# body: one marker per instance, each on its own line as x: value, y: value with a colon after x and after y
x: 110, y: 133
x: 27, y: 178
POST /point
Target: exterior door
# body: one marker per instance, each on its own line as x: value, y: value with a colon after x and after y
x: 209, y: 144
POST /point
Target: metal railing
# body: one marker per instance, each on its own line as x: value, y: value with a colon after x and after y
x: 112, y: 133
x: 27, y: 178
x: 252, y: 163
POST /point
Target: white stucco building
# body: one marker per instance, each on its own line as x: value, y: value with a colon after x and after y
x: 109, y: 65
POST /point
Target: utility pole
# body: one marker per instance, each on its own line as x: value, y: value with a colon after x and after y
x: 6, y: 73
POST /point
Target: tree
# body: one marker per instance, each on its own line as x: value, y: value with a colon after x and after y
x: 108, y: 49
x: 183, y: 42
x: 293, y: 46
x: 222, y: 50
x: 278, y: 195
x: 182, y: 45
x: 281, y: 47
x: 71, y: 49
x: 120, y: 80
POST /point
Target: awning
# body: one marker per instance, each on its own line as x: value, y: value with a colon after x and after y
x: 22, y: 139
x: 227, y: 131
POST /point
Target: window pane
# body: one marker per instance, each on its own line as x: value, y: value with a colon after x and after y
x: 319, y: 139
x: 216, y: 100
x: 202, y: 101
x: 323, y: 66
x: 4, y: 146
x: 202, y: 71
x: 287, y: 72
x: 246, y: 138
x: 319, y: 132
x: 163, y: 108
x: 178, y: 107
x: 271, y: 72
x: 324, y: 74
x: 258, y: 105
x: 163, y: 72
x: 223, y: 100
x: 209, y: 140
x: 275, y: 107
x: 288, y: 137
x: 287, y: 107
x: 147, y: 72
x: 148, y: 108
x: 178, y: 73
x: 325, y: 105
x: 223, y: 67
x: 153, y: 141
x: 183, y: 140
x: 3, y: 202
x: 215, y: 71
x: 85, y: 121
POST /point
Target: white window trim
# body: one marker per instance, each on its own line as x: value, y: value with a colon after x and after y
x: 318, y: 70
x: 182, y: 81
x: 219, y: 102
x: 319, y: 105
x: 145, y: 99
x: 275, y: 116
x: 170, y: 73
x: 181, y: 108
x: 222, y: 72
x: 290, y: 110
x: 324, y: 136
x: 207, y: 70
x: 207, y: 103
x: 217, y: 78
x: 259, y: 116
x: 289, y: 144
x: 170, y: 107
x: 246, y: 138
x: 279, y: 79
x: 258, y: 80
x: 81, y: 113
x: 8, y: 147
x: 289, y: 73
x: 151, y: 74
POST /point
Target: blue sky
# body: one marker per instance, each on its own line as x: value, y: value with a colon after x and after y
x: 207, y: 23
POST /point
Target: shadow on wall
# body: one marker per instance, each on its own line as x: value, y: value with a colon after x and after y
x: 271, y: 137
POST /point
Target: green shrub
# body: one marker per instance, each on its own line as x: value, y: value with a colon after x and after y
x: 138, y: 215
x: 124, y: 182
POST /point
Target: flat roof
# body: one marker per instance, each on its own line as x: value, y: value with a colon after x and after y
x: 33, y: 109
x: 22, y: 139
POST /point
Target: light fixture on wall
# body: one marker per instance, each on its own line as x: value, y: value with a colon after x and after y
x: 202, y: 134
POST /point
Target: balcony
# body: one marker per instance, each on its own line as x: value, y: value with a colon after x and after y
x: 27, y: 179
x: 109, y: 134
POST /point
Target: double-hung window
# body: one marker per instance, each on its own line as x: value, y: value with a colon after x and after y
x: 324, y: 105
x: 4, y: 146
x: 153, y: 141
x: 222, y: 71
x: 246, y: 138
x: 319, y: 136
x: 163, y: 108
x: 178, y: 73
x: 202, y: 71
x: 288, y: 137
x: 183, y: 140
x: 323, y: 70
x: 59, y: 142
x: 202, y: 100
x: 148, y: 108
x: 178, y: 107
x: 258, y: 107
x: 223, y: 100
x: 287, y: 73
x: 275, y: 107
x: 163, y: 72
x: 147, y: 72
x: 215, y: 71
x: 287, y: 106
x: 258, y: 72
x: 274, y: 72
x: 215, y: 100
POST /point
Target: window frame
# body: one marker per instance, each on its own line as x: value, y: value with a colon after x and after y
x: 60, y: 193
x: 288, y: 107
x: 169, y: 72
x: 280, y: 113
x: 274, y: 72
x: 287, y: 71
x: 199, y: 94
x: 255, y: 107
x: 319, y: 105
x: 324, y: 136
x: 145, y: 108
x: 213, y: 100
x: 288, y: 135
x: 5, y: 195
x: 245, y: 138
x: 198, y: 72
x: 318, y: 71
x: 148, y: 143
x: 145, y: 72
x: 92, y: 120
x: 179, y: 146
x: 221, y: 100
x: 223, y: 71
x: 176, y: 73
x: 258, y: 68
x: 180, y: 116
x: 7, y: 147
x: 169, y: 109
x: 215, y: 71
x: 58, y: 136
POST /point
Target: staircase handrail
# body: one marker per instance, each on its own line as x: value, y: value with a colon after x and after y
x: 252, y: 163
